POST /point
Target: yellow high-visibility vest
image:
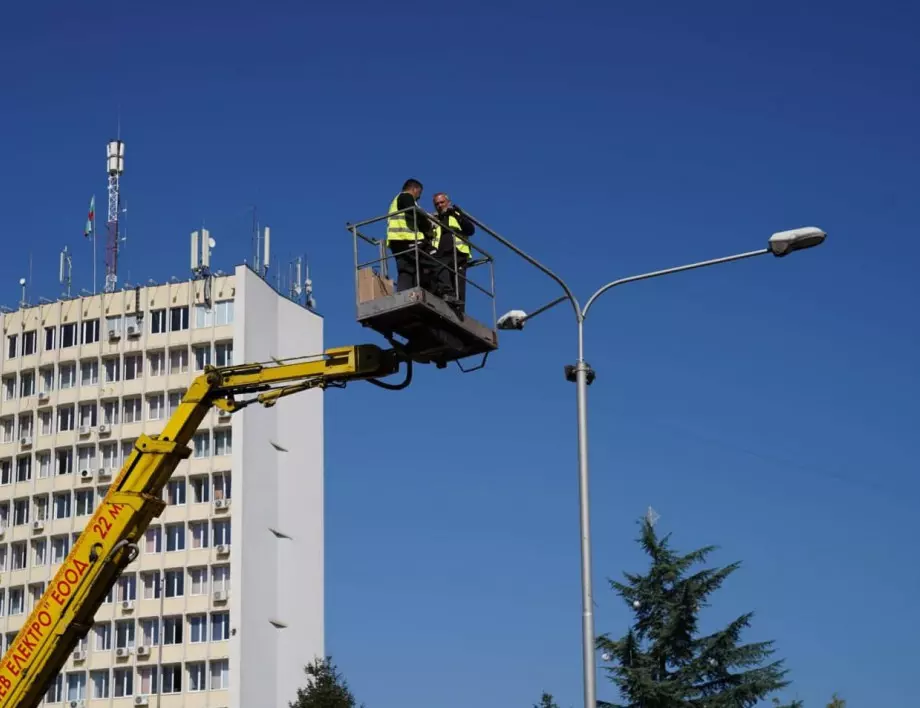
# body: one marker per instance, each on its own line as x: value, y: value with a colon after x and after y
x: 398, y: 228
x: 452, y: 222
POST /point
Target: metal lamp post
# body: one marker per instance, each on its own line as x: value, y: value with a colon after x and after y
x: 780, y: 244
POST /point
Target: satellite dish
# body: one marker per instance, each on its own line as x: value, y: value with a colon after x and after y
x: 211, y: 242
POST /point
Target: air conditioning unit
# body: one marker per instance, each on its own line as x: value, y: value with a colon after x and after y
x: 122, y: 653
x: 25, y: 441
x: 223, y: 415
x: 127, y: 605
x: 38, y: 525
x: 114, y: 334
x: 104, y: 473
x: 143, y: 651
x: 222, y: 549
x: 140, y: 700
x: 79, y: 655
x: 133, y: 331
x: 220, y: 596
x: 85, y: 430
x: 221, y: 504
x: 76, y: 704
x: 86, y: 475
x: 43, y: 396
x: 104, y: 429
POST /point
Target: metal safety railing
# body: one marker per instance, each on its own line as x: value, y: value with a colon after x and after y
x: 429, y: 270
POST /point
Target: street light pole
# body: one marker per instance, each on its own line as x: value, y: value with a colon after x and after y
x: 780, y: 244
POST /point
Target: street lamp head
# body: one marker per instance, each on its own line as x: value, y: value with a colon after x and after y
x: 512, y: 320
x: 783, y: 243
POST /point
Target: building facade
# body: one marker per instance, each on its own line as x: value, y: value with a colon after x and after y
x: 223, y: 606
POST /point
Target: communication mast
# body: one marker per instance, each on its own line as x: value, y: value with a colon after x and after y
x: 115, y: 166
x: 65, y: 273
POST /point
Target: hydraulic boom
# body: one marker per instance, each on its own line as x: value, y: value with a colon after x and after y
x: 65, y: 612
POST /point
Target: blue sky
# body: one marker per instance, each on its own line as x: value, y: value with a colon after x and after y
x: 767, y: 406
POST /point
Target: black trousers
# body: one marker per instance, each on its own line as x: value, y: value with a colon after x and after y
x: 404, y: 254
x: 445, y: 280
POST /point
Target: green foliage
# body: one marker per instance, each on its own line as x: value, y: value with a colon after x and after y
x: 546, y: 701
x: 326, y: 688
x: 662, y: 661
x: 837, y: 702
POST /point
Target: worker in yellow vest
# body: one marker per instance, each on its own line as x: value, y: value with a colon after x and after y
x: 449, y: 284
x: 409, y: 238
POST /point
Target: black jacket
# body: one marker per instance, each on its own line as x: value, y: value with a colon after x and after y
x: 467, y: 229
x: 405, y: 200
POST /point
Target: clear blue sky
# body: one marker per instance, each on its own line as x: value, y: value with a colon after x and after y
x: 769, y: 406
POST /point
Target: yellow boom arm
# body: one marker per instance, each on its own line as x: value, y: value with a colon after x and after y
x: 65, y: 612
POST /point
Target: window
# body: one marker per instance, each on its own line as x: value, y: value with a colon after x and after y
x: 123, y: 678
x: 12, y: 346
x: 3, y: 558
x: 175, y: 537
x: 103, y: 637
x: 178, y: 318
x: 60, y: 547
x: 150, y: 632
x: 24, y: 468
x: 9, y: 388
x: 50, y: 338
x: 21, y: 509
x: 17, y: 600
x: 153, y: 540
x: 68, y: 335
x: 66, y: 419
x: 202, y: 444
x: 175, y: 398
x: 61, y: 505
x: 4, y: 513
x: 18, y: 555
x: 178, y: 360
x: 223, y: 353
x: 84, y: 498
x: 64, y: 460
x: 202, y: 356
x: 100, y: 682
x: 198, y: 579
x: 150, y: 581
x: 222, y: 485
x: 76, y: 686
x: 223, y: 312
x: 47, y: 378
x: 221, y: 532
x: 124, y: 634
x: 223, y: 442
x: 204, y: 316
x: 88, y: 413
x: 113, y: 325
x: 198, y: 628
x: 134, y: 366
x: 90, y: 331
x: 86, y: 457
x: 44, y: 464
x: 127, y: 587
x: 197, y: 676
x: 157, y: 321
x: 133, y: 410
x: 45, y: 423
x: 175, y: 492
x: 156, y: 363
x: 27, y: 384
x: 109, y: 454
x: 29, y: 341
x: 172, y: 678
x: 220, y: 674
x: 6, y: 429
x: 127, y: 447
x: 67, y: 375
x: 201, y: 490
x: 41, y: 507
x: 155, y: 406
x: 89, y: 372
x: 40, y: 552
x: 6, y: 470
x: 175, y: 583
x: 112, y: 369
x: 199, y: 531
x: 110, y: 412
x: 172, y: 630
x: 25, y: 425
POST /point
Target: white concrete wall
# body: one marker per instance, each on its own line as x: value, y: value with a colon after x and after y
x: 275, y: 579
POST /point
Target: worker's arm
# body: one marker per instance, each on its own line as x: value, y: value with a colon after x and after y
x: 466, y: 226
x: 405, y: 201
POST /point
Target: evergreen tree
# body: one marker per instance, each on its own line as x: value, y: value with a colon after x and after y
x: 546, y: 701
x: 662, y: 661
x: 837, y: 702
x: 326, y: 688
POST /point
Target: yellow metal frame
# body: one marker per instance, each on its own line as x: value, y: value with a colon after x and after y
x: 108, y: 543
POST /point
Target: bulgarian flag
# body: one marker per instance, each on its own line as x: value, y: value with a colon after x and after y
x: 88, y: 229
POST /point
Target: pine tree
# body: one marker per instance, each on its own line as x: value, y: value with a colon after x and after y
x: 546, y: 701
x: 837, y: 702
x: 662, y: 661
x: 326, y: 688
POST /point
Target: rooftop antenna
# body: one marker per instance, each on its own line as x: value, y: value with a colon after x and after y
x: 115, y: 167
x: 265, y: 260
x: 65, y: 271
x: 22, y: 301
x: 256, y: 243
x: 308, y: 288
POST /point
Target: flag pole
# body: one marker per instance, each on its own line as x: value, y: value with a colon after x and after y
x: 94, y: 244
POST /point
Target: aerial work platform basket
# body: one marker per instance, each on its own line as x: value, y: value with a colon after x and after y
x: 428, y: 327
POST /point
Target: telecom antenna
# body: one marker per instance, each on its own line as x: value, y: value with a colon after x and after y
x: 265, y: 260
x: 202, y: 243
x: 308, y: 289
x: 65, y: 274
x: 115, y: 167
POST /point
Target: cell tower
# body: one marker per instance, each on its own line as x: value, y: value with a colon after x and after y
x: 115, y: 166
